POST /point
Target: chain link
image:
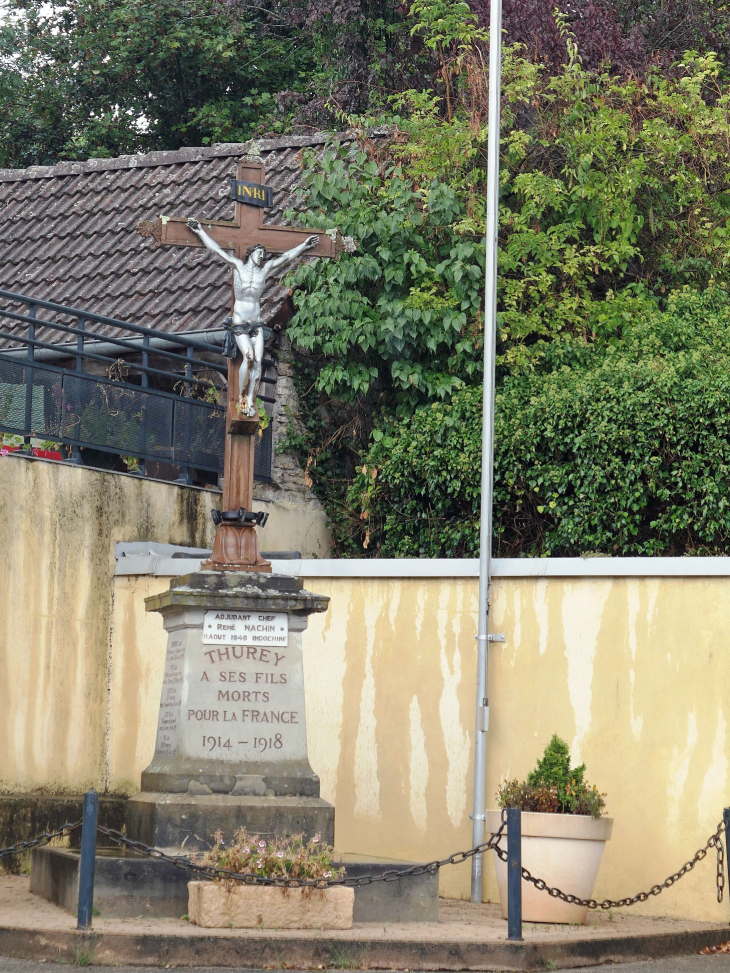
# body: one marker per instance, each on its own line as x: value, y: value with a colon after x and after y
x: 251, y: 878
x: 393, y: 875
x: 714, y: 841
x: 41, y: 839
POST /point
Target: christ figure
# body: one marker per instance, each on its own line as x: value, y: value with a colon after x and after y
x: 249, y: 279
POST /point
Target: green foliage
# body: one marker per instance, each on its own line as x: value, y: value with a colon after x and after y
x: 620, y: 448
x: 553, y: 786
x: 106, y: 77
x: 555, y: 771
x: 606, y: 185
x: 614, y: 197
x: 401, y: 311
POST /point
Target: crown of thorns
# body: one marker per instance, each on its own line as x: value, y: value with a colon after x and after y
x: 257, y: 246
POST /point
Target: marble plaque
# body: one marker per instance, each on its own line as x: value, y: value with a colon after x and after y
x: 245, y: 628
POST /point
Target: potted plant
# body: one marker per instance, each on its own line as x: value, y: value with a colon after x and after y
x: 563, y: 835
x: 226, y: 902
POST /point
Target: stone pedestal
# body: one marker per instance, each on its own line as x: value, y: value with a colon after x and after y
x: 231, y: 747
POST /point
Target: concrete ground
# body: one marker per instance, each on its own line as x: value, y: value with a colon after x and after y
x: 679, y: 964
x: 466, y: 936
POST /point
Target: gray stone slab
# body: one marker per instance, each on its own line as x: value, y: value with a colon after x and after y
x: 125, y: 886
x: 189, y: 822
x: 131, y: 885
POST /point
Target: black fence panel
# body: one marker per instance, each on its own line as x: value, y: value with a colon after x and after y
x: 120, y: 417
x: 107, y: 411
x: 263, y: 454
x: 199, y: 434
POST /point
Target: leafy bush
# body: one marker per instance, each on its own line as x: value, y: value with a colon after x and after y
x: 105, y: 77
x: 290, y: 858
x: 615, y: 194
x: 623, y: 450
x: 553, y: 786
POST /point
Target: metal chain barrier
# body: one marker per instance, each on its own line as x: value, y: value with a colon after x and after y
x: 392, y: 875
x: 41, y: 839
x: 251, y: 878
x: 714, y: 841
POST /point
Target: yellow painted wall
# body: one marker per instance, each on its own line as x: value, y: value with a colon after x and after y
x: 58, y: 525
x: 633, y: 673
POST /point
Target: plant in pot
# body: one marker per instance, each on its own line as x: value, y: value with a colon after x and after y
x: 563, y: 835
x: 227, y: 902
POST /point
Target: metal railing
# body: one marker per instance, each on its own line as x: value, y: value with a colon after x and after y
x: 86, y: 380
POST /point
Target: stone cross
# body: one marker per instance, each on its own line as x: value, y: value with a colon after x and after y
x: 236, y: 545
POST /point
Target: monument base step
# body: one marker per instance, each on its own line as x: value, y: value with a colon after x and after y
x: 128, y: 885
x: 189, y: 821
x: 22, y: 815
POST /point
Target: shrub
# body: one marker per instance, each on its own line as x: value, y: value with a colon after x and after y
x: 622, y: 449
x: 553, y: 786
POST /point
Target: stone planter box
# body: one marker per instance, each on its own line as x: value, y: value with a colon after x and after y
x: 212, y: 905
x: 563, y: 849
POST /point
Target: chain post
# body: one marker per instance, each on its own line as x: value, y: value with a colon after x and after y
x: 514, y: 874
x: 87, y: 860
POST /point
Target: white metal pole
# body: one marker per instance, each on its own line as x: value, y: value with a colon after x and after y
x: 485, y: 533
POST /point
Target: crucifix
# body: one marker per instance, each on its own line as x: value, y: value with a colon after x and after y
x: 247, y: 244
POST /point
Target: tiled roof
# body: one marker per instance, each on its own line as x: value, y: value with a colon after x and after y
x: 68, y: 232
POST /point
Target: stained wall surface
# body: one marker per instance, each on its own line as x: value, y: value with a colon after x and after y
x: 632, y: 671
x: 58, y: 525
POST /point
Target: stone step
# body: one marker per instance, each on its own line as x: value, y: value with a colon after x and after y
x: 128, y: 885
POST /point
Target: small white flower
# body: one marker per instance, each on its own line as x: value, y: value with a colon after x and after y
x: 315, y: 839
x: 280, y: 854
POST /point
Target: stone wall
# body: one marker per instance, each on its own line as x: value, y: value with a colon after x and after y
x: 289, y: 482
x: 58, y: 525
x: 630, y: 670
x: 624, y: 658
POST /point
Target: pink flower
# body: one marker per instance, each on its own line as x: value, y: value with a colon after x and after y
x: 4, y: 452
x: 262, y: 844
x: 247, y: 851
x: 280, y: 854
x: 328, y: 874
x: 259, y: 863
x: 315, y: 839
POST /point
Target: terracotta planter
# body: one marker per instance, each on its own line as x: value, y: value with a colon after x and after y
x: 211, y: 904
x: 563, y: 849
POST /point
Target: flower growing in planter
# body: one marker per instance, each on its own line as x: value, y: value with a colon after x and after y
x: 552, y: 787
x: 290, y: 858
x: 228, y: 902
x: 563, y: 834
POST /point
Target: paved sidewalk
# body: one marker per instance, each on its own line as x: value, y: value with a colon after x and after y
x: 678, y: 964
x: 466, y: 936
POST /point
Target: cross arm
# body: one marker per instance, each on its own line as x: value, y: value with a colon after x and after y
x: 173, y: 230
x: 279, y: 239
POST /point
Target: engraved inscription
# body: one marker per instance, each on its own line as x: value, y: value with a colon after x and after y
x: 172, y: 685
x: 245, y: 628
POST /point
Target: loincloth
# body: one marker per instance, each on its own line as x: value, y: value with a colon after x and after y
x: 249, y: 328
